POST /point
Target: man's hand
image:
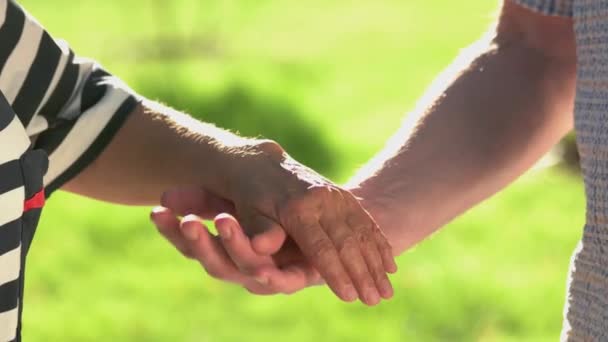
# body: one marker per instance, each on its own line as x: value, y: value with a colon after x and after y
x: 231, y: 257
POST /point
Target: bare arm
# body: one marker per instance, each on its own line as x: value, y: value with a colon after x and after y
x: 485, y: 121
x: 159, y: 148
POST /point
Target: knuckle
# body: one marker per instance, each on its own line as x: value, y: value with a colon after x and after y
x: 364, y: 240
x: 331, y: 193
x: 380, y: 234
x: 318, y: 195
x: 309, y: 203
x: 294, y: 206
x: 349, y: 244
x: 385, y: 245
x: 319, y: 191
x: 322, y: 249
x: 381, y: 239
x: 270, y: 147
x: 374, y: 228
x: 376, y: 265
x: 299, y: 212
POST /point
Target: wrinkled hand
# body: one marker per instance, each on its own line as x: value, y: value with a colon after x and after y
x: 275, y: 195
x: 231, y: 257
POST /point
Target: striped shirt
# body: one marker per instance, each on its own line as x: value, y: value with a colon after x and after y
x: 586, y: 312
x: 57, y: 112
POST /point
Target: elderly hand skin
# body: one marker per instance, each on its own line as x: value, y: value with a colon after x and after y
x: 273, y: 197
x: 230, y: 256
x: 158, y: 148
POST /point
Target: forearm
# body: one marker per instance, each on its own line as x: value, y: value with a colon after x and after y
x: 499, y: 113
x: 157, y: 149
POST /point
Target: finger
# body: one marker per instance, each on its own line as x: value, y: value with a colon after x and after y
x: 262, y: 268
x: 350, y: 250
x: 318, y: 248
x: 375, y: 265
x: 238, y: 245
x: 379, y: 250
x: 210, y: 253
x: 195, y: 200
x: 292, y: 278
x: 267, y: 236
x: 168, y: 226
x: 366, y: 231
x: 260, y: 290
x: 386, y: 251
x: 362, y: 218
x: 214, y: 257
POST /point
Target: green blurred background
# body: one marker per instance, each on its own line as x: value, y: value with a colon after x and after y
x: 330, y: 80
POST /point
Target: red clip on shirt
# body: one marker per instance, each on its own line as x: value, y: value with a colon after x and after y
x: 36, y: 202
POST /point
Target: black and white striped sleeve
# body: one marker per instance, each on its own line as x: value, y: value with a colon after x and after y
x: 13, y: 144
x: 71, y: 107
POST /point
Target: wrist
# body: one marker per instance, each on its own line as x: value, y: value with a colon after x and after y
x: 242, y: 160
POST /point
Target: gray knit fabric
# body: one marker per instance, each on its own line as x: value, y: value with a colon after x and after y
x: 586, y: 313
x: 550, y: 7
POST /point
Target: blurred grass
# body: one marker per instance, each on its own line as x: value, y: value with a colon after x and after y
x: 330, y: 80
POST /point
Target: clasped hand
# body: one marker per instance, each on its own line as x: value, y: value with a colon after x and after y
x: 281, y: 228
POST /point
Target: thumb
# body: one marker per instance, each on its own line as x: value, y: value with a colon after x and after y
x: 267, y: 236
x: 195, y: 200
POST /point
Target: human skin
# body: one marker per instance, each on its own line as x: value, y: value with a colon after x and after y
x: 485, y: 121
x: 159, y: 148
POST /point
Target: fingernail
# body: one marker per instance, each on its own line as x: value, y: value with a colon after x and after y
x: 224, y: 231
x: 386, y: 289
x: 393, y: 267
x: 350, y: 293
x: 191, y: 233
x: 262, y: 280
x: 371, y: 296
x: 156, y: 211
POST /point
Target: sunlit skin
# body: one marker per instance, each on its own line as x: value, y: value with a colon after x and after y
x: 158, y: 148
x: 485, y: 121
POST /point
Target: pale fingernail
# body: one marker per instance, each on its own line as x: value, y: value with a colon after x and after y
x: 224, y: 231
x: 157, y: 210
x: 191, y: 233
x: 390, y: 265
x: 371, y: 296
x: 386, y: 289
x: 350, y: 293
x: 262, y: 280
